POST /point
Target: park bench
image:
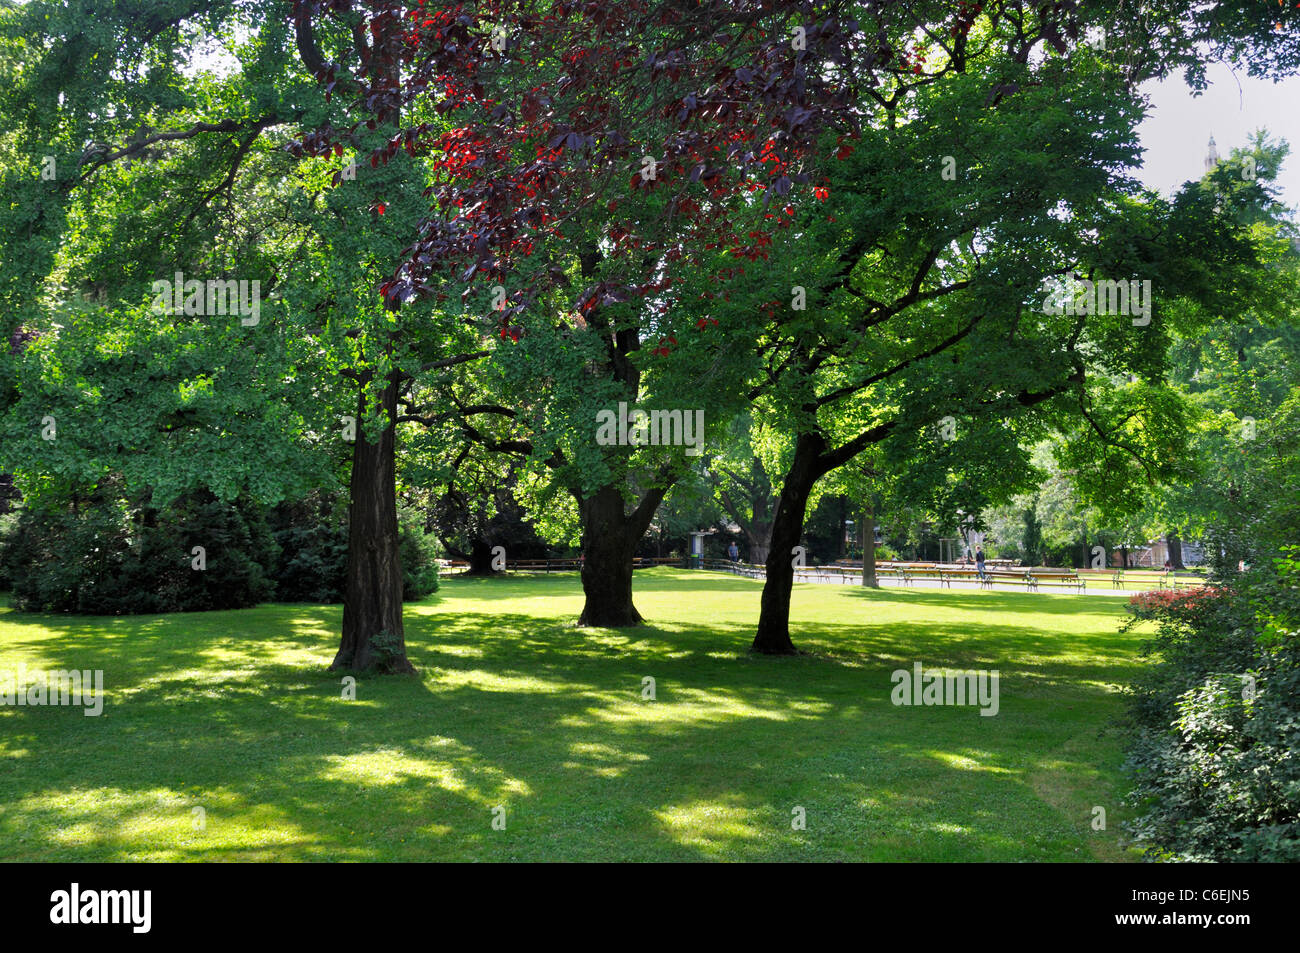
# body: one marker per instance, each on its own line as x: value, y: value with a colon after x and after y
x: 1027, y: 578
x: 1172, y: 580
x: 931, y: 573
x: 1064, y: 579
x: 1000, y: 575
x: 827, y: 573
x: 965, y: 575
x: 735, y: 567
x: 643, y: 562
x: 543, y: 565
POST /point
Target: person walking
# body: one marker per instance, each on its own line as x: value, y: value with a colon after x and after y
x: 979, y: 560
x: 733, y: 552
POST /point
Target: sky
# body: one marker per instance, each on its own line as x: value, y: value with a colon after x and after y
x: 1178, y: 127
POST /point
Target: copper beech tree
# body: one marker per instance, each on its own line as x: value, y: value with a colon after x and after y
x: 602, y: 176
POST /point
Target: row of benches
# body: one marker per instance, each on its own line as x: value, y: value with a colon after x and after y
x: 999, y: 563
x: 1030, y: 580
x: 946, y: 577
x: 1167, y: 580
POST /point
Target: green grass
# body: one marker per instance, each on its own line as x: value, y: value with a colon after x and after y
x: 234, y: 712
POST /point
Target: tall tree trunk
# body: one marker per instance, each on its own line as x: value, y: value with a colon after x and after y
x: 1175, y: 550
x: 607, y: 562
x: 773, y: 636
x: 373, y: 635
x: 480, y: 559
x: 869, y: 547
x: 609, y: 541
x: 842, y: 529
x: 760, y: 525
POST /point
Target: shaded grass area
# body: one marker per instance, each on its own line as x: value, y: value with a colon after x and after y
x: 514, y: 708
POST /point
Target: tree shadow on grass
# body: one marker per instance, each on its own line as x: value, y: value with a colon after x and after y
x: 235, y: 713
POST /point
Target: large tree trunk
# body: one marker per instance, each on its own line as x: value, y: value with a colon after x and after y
x: 759, y: 536
x: 869, y: 548
x: 609, y: 541
x: 373, y: 636
x: 480, y: 559
x: 841, y: 530
x: 1175, y: 550
x: 773, y: 637
x: 760, y: 526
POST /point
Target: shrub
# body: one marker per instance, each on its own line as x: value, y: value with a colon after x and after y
x: 106, y: 555
x: 420, y: 553
x: 1215, y: 721
x: 8, y: 527
x: 312, y: 537
x: 112, y: 556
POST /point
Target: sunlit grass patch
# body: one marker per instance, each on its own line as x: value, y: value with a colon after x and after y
x: 518, y: 715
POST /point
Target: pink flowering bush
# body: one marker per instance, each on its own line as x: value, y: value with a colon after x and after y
x: 1174, y: 603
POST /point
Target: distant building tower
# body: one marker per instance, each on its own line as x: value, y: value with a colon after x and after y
x: 1211, y: 157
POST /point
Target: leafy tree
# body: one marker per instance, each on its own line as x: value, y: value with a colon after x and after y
x: 932, y: 334
x: 743, y: 485
x: 186, y: 171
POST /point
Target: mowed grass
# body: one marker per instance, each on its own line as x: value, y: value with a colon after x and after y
x: 235, y: 713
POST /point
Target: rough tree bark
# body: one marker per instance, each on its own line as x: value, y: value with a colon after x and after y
x: 373, y: 636
x: 480, y: 559
x: 869, y: 548
x: 1175, y: 550
x: 609, y: 541
x: 757, y: 525
x: 773, y: 637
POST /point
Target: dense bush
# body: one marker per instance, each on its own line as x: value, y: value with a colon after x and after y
x: 420, y: 552
x: 109, y: 556
x: 312, y: 536
x: 8, y: 526
x: 1215, y: 722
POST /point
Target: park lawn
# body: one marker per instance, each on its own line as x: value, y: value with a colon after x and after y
x: 235, y: 713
